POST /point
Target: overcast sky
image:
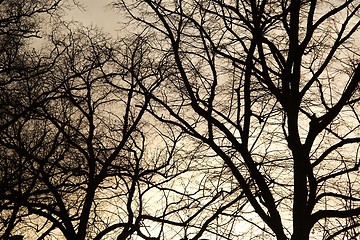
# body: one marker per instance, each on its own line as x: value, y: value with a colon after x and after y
x: 97, y: 14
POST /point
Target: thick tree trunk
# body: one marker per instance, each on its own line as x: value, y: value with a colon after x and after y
x: 301, y: 215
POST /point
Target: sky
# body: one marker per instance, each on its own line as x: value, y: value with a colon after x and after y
x: 97, y: 13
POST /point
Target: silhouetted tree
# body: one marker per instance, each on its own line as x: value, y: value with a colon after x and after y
x: 84, y: 163
x: 272, y: 87
x: 21, y: 68
x: 20, y: 27
x: 216, y: 119
x: 16, y: 237
x: 77, y: 159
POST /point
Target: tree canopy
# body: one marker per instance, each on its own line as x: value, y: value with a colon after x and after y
x: 208, y: 120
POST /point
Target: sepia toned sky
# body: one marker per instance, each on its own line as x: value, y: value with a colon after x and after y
x: 97, y: 13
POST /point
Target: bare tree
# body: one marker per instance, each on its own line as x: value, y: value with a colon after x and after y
x: 21, y: 26
x: 85, y: 166
x: 78, y: 161
x: 220, y: 119
x: 272, y: 87
x: 20, y: 71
